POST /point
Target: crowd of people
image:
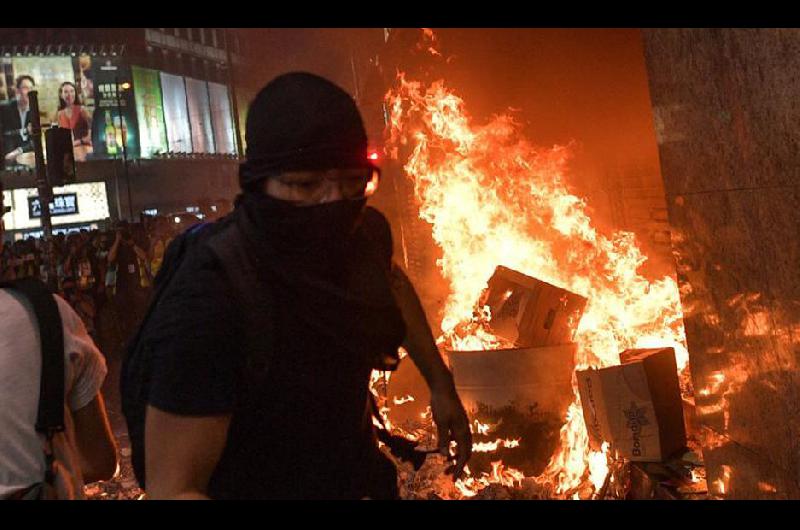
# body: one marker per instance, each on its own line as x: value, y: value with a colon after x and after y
x: 105, y: 275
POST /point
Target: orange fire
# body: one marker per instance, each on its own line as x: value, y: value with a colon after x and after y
x: 492, y: 198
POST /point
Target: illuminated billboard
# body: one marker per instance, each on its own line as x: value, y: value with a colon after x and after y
x: 176, y: 115
x: 63, y: 204
x: 74, y: 203
x: 149, y: 112
x: 76, y: 93
x: 93, y: 97
x: 222, y: 118
x: 115, y: 133
x: 199, y: 107
x: 197, y: 113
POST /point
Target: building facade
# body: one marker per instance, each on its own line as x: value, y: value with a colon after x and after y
x: 154, y: 115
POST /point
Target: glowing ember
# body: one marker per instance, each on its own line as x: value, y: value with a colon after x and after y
x: 402, y: 400
x: 494, y: 199
x: 767, y: 487
x: 490, y: 447
x: 479, y: 428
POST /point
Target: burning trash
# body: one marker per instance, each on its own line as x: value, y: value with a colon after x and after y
x: 524, y: 389
x: 531, y: 313
x: 492, y: 198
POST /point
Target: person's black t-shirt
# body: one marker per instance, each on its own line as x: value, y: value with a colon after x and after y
x: 305, y: 433
x: 194, y: 339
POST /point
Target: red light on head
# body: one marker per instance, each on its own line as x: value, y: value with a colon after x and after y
x: 373, y: 155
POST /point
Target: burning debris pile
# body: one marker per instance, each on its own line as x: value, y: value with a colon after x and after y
x: 493, y: 199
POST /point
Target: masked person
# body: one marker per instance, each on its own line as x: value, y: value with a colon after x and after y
x: 270, y: 399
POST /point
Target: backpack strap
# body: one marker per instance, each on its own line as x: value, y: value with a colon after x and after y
x: 50, y: 417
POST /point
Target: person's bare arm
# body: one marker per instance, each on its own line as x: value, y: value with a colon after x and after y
x: 448, y: 412
x: 112, y: 254
x: 181, y: 453
x: 419, y: 340
x: 141, y: 254
x: 97, y: 450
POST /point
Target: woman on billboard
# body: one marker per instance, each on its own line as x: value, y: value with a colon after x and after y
x: 73, y: 115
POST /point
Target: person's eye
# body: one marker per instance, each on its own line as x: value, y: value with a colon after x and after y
x: 300, y: 184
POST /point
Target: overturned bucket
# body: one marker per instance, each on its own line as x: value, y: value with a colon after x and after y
x: 524, y: 393
x: 528, y: 379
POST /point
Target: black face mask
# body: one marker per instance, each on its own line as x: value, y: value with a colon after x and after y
x: 314, y: 237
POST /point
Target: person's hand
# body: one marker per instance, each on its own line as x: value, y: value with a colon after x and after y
x: 139, y: 252
x: 14, y: 154
x: 452, y: 424
x: 118, y: 237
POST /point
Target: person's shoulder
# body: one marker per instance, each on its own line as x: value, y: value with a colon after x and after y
x: 11, y: 304
x: 373, y: 215
x: 64, y: 309
x: 198, y: 271
x: 70, y: 320
x: 11, y: 301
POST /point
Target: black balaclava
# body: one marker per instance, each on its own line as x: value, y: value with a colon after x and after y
x: 301, y: 121
x: 314, y: 255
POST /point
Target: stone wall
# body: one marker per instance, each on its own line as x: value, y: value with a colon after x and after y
x: 726, y: 113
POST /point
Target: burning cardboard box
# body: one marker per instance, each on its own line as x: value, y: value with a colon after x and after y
x: 529, y: 312
x: 635, y: 406
x: 526, y: 387
x: 539, y: 320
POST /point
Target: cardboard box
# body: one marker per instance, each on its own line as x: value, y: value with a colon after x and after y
x: 529, y: 312
x: 635, y: 406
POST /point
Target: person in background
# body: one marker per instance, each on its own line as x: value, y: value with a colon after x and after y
x: 88, y: 441
x: 7, y: 269
x: 79, y: 280
x: 159, y: 240
x: 130, y: 296
x: 105, y: 322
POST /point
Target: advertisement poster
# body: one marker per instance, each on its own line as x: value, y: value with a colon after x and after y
x: 115, y: 127
x: 149, y: 112
x: 221, y: 118
x: 199, y: 116
x: 176, y: 114
x: 60, y: 104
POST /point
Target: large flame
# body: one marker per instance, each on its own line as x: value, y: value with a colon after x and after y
x: 493, y: 199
